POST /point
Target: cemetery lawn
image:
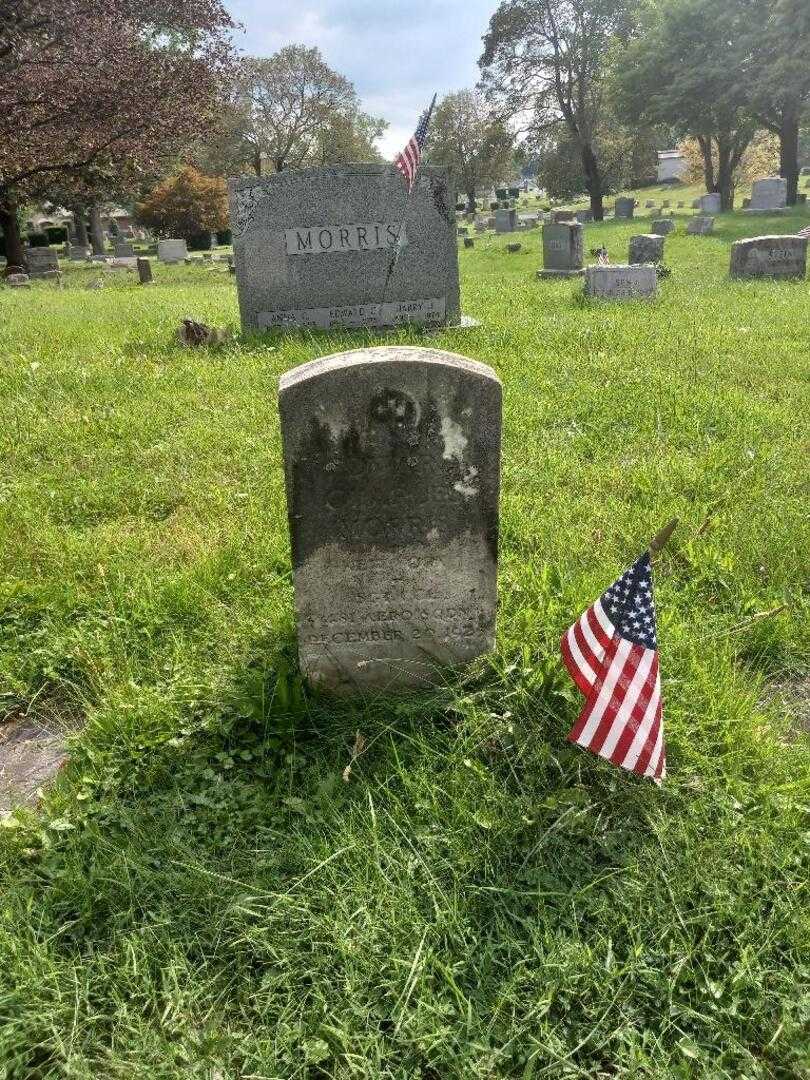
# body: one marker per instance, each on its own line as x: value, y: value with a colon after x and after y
x: 202, y: 893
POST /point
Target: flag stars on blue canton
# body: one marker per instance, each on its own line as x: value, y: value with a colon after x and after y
x: 628, y: 604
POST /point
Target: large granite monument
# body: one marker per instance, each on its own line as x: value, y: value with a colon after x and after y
x: 345, y: 246
x: 392, y: 467
x: 769, y: 257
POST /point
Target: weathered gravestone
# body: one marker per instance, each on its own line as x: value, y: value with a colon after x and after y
x: 469, y: 242
x: 123, y: 249
x: 769, y: 257
x: 620, y: 282
x: 144, y: 271
x: 17, y: 281
x: 562, y: 250
x: 584, y: 217
x: 392, y: 468
x: 172, y: 251
x: 709, y: 204
x: 662, y: 226
x: 700, y: 226
x: 513, y: 249
x: 666, y: 204
x: 41, y: 262
x: 624, y: 209
x: 768, y: 195
x: 505, y: 221
x: 649, y: 204
x: 345, y: 246
x: 480, y: 227
x: 647, y: 248
x: 560, y: 216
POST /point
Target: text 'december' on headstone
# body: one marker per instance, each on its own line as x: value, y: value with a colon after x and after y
x: 345, y: 246
x: 392, y: 467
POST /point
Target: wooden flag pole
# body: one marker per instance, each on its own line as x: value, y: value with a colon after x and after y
x: 659, y: 541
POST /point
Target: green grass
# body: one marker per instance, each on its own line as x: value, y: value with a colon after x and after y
x: 201, y: 895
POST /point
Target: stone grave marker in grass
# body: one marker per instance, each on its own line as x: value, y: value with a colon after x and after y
x: 392, y: 467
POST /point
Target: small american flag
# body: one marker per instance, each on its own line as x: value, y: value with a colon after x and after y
x: 611, y: 653
x: 409, y: 159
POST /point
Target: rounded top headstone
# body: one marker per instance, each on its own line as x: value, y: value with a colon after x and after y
x: 383, y: 354
x: 392, y: 474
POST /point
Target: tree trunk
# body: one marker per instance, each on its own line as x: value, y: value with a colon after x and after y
x: 96, y: 231
x: 705, y: 144
x: 725, y: 175
x: 470, y: 193
x: 257, y: 161
x: 80, y: 224
x: 15, y: 256
x: 593, y: 181
x: 789, y: 151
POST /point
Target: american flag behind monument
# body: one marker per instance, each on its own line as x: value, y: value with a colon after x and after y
x: 409, y: 159
x: 611, y: 653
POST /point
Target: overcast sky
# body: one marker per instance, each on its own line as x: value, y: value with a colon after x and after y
x: 397, y: 53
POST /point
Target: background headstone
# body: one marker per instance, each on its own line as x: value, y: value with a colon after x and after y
x: 646, y: 248
x: 620, y: 282
x: 392, y: 468
x: 469, y: 242
x: 345, y: 246
x: 41, y: 261
x: 662, y: 226
x: 123, y: 249
x: 768, y: 195
x: 624, y: 209
x: 709, y: 204
x: 172, y: 251
x: 563, y: 254
x: 505, y: 221
x: 144, y: 271
x: 563, y: 215
x: 700, y: 226
x: 769, y: 257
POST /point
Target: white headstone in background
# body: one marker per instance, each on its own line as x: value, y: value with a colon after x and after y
x: 172, y: 251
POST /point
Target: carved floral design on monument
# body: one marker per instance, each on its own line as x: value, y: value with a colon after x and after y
x: 245, y: 201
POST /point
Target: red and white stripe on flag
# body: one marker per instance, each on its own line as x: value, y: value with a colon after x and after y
x: 407, y: 161
x: 621, y: 720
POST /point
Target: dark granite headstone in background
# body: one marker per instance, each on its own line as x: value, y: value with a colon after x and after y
x: 624, y: 209
x: 144, y: 271
x: 563, y: 254
x: 392, y: 467
x: 646, y: 248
